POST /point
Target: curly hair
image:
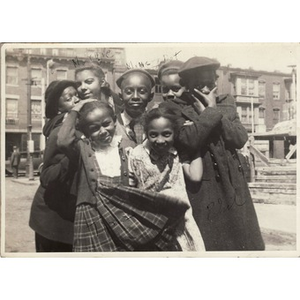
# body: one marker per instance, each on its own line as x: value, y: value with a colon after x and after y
x: 161, y: 112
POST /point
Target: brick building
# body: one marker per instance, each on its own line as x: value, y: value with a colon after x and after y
x: 263, y: 98
x: 29, y: 71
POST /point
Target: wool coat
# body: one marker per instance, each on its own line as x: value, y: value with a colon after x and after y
x: 221, y: 202
x: 53, y: 207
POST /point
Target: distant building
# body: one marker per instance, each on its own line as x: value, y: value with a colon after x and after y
x: 29, y: 71
x: 267, y: 97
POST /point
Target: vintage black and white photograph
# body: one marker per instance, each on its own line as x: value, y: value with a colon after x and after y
x: 148, y: 149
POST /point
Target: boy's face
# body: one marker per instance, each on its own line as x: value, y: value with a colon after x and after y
x: 171, y: 87
x: 203, y: 80
x: 68, y: 99
x: 136, y: 93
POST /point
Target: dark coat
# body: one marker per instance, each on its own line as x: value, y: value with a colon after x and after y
x: 15, y: 159
x: 53, y: 208
x: 221, y: 202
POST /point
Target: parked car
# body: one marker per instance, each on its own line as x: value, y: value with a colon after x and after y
x: 37, y: 159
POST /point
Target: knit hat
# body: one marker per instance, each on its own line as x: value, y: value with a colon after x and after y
x: 53, y: 93
x: 120, y: 80
x: 173, y: 65
x: 196, y: 63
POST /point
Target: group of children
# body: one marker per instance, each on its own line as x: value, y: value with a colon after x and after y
x: 117, y: 177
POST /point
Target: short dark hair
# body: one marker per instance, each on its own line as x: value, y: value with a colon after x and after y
x: 95, y: 68
x: 89, y: 107
x: 161, y: 112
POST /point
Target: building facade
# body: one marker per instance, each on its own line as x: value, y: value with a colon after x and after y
x: 263, y: 98
x: 27, y: 74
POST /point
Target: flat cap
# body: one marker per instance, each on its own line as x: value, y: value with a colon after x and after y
x: 197, y: 62
x: 172, y: 65
x: 53, y: 93
x: 128, y: 72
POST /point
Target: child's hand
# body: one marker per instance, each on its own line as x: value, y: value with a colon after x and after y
x: 188, y: 123
x: 79, y: 105
x: 210, y: 100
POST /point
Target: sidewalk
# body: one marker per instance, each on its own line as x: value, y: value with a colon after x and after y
x: 25, y: 180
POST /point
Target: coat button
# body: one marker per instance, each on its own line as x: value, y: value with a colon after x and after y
x: 123, y: 157
x: 125, y: 173
x: 218, y: 178
x: 211, y: 154
x: 215, y: 165
x: 240, y: 168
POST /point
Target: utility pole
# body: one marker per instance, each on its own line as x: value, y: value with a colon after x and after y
x: 30, y: 143
x: 293, y: 91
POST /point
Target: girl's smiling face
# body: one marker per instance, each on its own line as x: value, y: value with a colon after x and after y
x: 100, y: 127
x: 88, y: 85
x: 161, y: 135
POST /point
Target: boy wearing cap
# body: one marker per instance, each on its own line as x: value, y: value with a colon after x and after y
x: 136, y: 92
x: 222, y: 204
x: 194, y: 130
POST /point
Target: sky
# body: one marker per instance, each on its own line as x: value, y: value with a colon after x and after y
x: 259, y: 56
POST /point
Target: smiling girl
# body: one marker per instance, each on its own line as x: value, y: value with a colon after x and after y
x: 155, y: 166
x: 110, y: 216
x: 91, y: 84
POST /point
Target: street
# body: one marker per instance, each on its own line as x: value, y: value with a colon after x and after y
x: 278, y: 222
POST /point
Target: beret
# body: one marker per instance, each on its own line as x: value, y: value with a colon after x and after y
x: 171, y: 65
x: 120, y: 80
x: 52, y: 95
x: 197, y: 62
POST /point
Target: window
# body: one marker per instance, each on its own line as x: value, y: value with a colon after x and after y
x: 261, y: 89
x: 36, y: 76
x: 66, y: 52
x: 11, y: 108
x: 250, y: 87
x: 34, y: 51
x: 244, y: 114
x: 55, y: 52
x: 243, y: 86
x: 261, y: 112
x: 276, y: 91
x: 61, y: 74
x: 36, y: 110
x: 12, y: 75
x: 276, y: 115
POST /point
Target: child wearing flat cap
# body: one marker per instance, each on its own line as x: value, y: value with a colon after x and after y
x: 193, y: 130
x: 222, y: 204
x: 136, y: 92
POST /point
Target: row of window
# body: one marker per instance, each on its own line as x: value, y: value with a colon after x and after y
x: 247, y: 88
x: 12, y: 109
x: 12, y: 75
x: 246, y: 114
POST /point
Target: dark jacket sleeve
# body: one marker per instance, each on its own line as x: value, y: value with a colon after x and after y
x: 57, y: 166
x: 234, y: 133
x: 194, y: 136
x: 66, y: 137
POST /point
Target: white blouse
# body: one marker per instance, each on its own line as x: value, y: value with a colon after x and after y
x: 109, y: 159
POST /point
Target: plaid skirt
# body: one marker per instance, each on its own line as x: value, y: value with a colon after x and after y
x: 127, y: 219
